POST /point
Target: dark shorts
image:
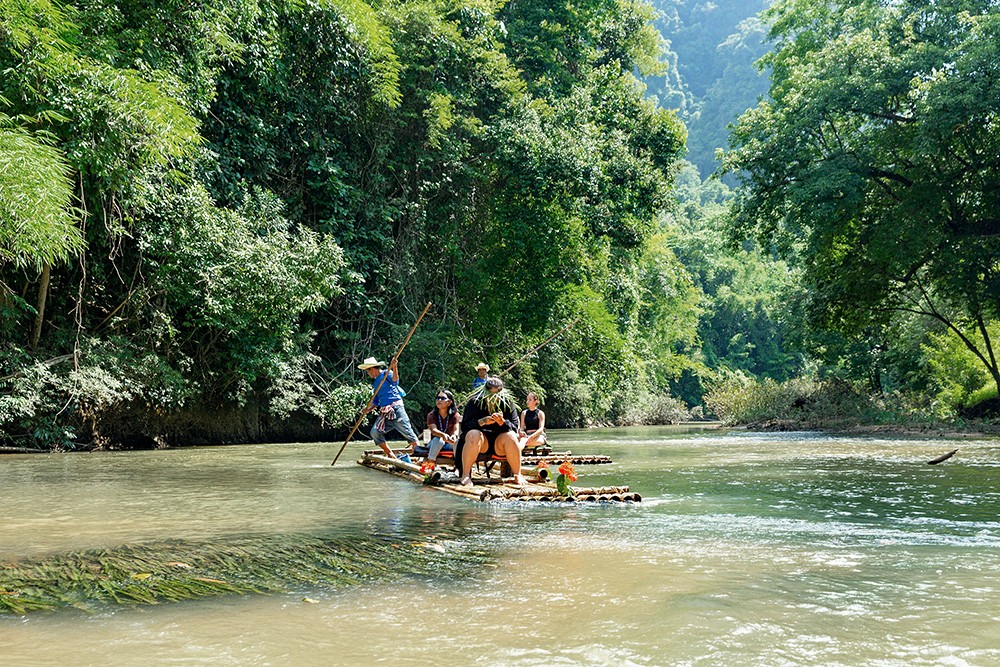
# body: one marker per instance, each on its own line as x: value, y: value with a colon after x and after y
x: 491, y: 439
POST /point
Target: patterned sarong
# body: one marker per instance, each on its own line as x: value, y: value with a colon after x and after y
x: 386, y: 413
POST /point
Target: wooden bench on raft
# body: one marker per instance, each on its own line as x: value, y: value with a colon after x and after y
x: 485, y: 462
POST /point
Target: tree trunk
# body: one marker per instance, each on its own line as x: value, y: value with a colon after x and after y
x: 43, y: 293
x: 992, y: 365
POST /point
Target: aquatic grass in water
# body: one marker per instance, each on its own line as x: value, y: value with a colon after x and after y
x: 181, y: 570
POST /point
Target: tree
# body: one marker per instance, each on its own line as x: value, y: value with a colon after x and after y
x: 37, y: 226
x: 37, y: 222
x: 876, y: 162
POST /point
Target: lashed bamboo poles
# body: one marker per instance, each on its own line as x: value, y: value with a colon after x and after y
x: 486, y: 490
x: 384, y: 376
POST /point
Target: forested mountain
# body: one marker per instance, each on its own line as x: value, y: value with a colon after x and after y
x: 711, y: 78
x: 210, y: 212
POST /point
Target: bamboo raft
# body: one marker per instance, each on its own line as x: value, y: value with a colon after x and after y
x: 560, y: 457
x: 485, y: 489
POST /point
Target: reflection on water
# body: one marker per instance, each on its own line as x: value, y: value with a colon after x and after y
x: 749, y: 549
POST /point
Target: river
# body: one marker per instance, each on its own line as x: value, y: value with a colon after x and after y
x: 748, y: 549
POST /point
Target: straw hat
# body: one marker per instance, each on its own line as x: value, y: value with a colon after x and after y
x: 370, y: 362
x: 483, y: 366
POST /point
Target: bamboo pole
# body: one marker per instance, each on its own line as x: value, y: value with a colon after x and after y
x: 525, y: 356
x: 395, y: 463
x: 384, y: 376
x: 544, y: 343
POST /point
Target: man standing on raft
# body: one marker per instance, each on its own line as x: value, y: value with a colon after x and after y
x: 489, y: 425
x: 387, y: 399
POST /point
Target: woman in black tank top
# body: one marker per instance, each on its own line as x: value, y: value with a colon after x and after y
x: 532, y: 423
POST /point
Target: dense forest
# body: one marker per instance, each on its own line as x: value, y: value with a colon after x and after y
x: 210, y: 212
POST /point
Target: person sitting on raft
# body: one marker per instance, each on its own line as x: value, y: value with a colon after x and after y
x: 443, y: 423
x: 489, y: 426
x: 387, y: 398
x: 482, y: 370
x: 532, y: 431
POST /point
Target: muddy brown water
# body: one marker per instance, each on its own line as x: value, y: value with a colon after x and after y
x: 748, y: 549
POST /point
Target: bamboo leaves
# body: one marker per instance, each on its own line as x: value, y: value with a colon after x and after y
x: 37, y: 225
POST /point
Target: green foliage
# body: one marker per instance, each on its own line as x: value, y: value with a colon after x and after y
x: 746, y: 298
x: 265, y: 188
x: 985, y: 397
x: 644, y: 408
x: 37, y: 226
x: 958, y: 374
x: 55, y: 408
x: 238, y: 280
x: 297, y: 388
x: 881, y: 121
x: 737, y: 398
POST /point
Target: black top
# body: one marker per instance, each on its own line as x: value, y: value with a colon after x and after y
x: 475, y: 410
x: 531, y: 420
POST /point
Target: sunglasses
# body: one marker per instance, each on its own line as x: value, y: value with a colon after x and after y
x: 442, y: 398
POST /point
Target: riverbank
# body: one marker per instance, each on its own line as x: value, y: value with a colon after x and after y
x: 979, y: 429
x: 298, y: 431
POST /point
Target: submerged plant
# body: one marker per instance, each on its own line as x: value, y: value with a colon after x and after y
x: 172, y: 571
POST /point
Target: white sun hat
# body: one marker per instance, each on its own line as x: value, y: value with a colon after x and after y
x: 370, y: 362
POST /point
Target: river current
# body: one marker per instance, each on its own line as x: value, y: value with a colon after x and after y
x: 748, y: 549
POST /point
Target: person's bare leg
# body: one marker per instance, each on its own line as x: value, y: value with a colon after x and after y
x: 475, y: 444
x: 508, y: 446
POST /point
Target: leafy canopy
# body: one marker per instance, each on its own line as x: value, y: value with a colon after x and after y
x: 875, y: 160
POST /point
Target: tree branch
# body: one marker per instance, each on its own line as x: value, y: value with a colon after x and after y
x: 888, y: 115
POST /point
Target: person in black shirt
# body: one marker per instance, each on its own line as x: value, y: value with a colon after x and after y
x: 489, y: 425
x: 532, y: 431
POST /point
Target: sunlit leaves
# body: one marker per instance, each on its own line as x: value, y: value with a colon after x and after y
x: 37, y: 226
x: 877, y: 153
